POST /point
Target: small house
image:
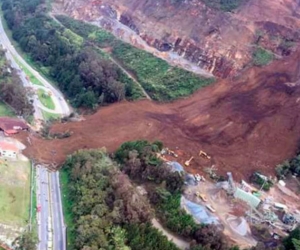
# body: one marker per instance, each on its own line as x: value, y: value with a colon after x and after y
x: 8, y: 150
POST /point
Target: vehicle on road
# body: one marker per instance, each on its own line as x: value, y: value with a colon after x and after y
x: 50, y: 245
x: 49, y: 224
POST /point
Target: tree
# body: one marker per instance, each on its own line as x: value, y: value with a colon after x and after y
x: 290, y: 241
x: 27, y: 241
x: 209, y: 236
x: 296, y: 243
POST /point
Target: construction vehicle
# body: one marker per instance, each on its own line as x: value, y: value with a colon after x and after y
x: 210, y: 208
x: 170, y: 152
x: 187, y: 163
x: 201, y: 196
x: 204, y: 155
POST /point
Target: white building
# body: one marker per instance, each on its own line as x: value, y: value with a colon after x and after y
x: 8, y: 150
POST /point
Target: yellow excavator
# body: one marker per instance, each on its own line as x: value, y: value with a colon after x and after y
x: 187, y: 163
x: 204, y: 155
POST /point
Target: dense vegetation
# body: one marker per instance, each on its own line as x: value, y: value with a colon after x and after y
x: 12, y: 91
x: 106, y: 210
x: 158, y: 78
x: 83, y: 73
x: 140, y: 162
x: 292, y: 242
x: 262, y: 57
x: 26, y: 241
x: 146, y: 237
x: 289, y: 167
x: 258, y: 179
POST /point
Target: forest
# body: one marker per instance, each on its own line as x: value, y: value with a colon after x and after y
x: 104, y: 209
x: 72, y: 55
x: 12, y: 91
x: 82, y: 72
x: 160, y: 80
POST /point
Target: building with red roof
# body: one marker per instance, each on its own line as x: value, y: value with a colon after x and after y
x: 12, y: 126
x: 8, y: 150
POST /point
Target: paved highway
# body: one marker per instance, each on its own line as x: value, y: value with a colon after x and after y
x: 51, y: 225
x: 57, y: 214
x: 61, y: 106
x: 50, y: 217
x: 43, y: 203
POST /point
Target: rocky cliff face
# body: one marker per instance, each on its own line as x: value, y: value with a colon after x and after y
x: 194, y: 36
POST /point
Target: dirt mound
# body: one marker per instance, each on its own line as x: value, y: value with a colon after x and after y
x: 247, y: 123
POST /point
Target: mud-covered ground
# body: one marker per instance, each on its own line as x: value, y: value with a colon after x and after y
x: 245, y: 124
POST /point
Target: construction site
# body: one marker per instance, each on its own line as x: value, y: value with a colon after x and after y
x: 237, y: 208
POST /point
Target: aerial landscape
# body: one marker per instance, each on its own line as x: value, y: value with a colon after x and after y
x: 156, y: 125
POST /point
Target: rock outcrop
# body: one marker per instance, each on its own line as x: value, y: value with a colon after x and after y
x: 194, y: 36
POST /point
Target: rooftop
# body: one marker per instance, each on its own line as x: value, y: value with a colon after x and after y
x: 8, y: 146
x: 9, y: 124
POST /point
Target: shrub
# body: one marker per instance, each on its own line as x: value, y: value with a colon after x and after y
x: 262, y: 57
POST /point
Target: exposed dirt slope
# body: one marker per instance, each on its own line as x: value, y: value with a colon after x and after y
x: 251, y: 123
x: 218, y: 42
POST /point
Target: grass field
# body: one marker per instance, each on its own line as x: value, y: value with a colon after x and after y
x: 5, y: 110
x: 50, y: 116
x: 28, y: 73
x: 14, y: 192
x: 45, y: 99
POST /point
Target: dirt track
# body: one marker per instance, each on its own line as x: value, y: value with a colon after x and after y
x: 247, y: 123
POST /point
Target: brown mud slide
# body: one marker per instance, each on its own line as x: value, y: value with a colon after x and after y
x: 248, y: 123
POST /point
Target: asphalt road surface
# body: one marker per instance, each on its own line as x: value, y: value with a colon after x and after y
x: 43, y: 203
x: 50, y: 217
x: 59, y: 229
x: 61, y: 106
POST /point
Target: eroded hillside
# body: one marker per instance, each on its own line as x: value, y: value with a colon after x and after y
x: 193, y: 35
x: 247, y: 124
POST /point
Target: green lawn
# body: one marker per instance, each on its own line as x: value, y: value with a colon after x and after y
x: 45, y: 99
x: 50, y: 116
x: 14, y: 192
x: 28, y: 73
x: 5, y: 110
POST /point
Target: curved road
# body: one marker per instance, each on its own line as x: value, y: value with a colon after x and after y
x: 61, y: 106
x: 51, y: 227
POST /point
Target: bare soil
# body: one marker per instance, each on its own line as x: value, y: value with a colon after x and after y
x: 246, y: 123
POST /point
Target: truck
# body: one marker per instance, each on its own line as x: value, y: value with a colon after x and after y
x: 49, y: 245
x: 210, y: 208
x: 49, y: 224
